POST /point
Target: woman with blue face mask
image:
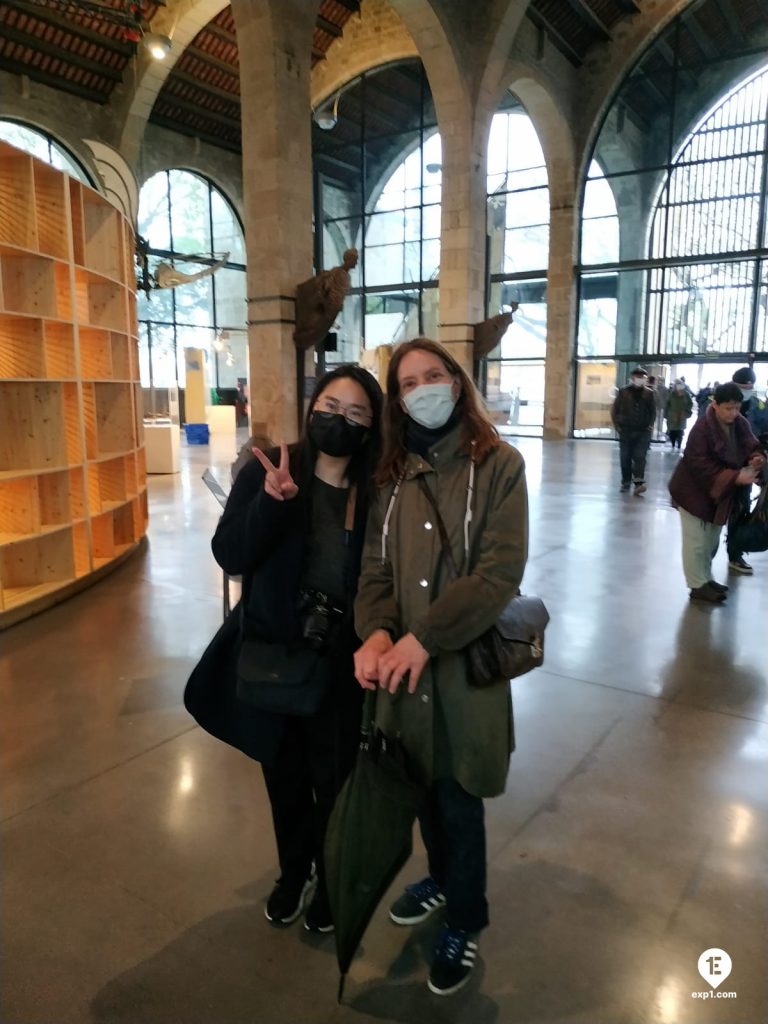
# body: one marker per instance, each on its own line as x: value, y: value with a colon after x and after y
x: 442, y: 460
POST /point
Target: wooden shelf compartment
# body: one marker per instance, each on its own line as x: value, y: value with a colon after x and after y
x: 138, y: 411
x: 121, y: 356
x: 31, y: 414
x: 129, y: 468
x: 36, y: 566
x: 103, y: 537
x: 141, y: 468
x: 53, y: 491
x: 81, y: 549
x: 89, y: 420
x: 22, y: 349
x: 35, y: 286
x: 133, y: 349
x: 103, y: 237
x: 141, y: 514
x: 77, y: 493
x: 50, y: 200
x: 95, y: 354
x: 59, y: 351
x: 115, y: 428
x: 19, y: 508
x: 100, y: 303
x: 107, y: 484
x: 18, y: 223
x: 33, y: 505
x: 76, y: 208
x: 71, y: 419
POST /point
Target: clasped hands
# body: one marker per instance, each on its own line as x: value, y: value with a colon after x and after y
x: 380, y: 662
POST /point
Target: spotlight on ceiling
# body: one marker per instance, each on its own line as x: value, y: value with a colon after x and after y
x: 157, y: 45
x: 327, y: 118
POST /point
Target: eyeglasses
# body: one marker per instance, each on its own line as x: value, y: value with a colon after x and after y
x: 353, y: 414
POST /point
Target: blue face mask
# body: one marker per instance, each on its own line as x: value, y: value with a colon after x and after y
x: 430, y: 405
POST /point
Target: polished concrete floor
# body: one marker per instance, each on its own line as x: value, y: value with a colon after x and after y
x: 137, y: 852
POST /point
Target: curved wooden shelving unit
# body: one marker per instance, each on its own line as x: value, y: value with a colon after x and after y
x: 73, y: 482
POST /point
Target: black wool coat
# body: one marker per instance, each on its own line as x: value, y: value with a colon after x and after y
x: 264, y: 541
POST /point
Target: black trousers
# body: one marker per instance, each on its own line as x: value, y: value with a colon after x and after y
x: 676, y: 437
x: 313, y: 761
x: 633, y: 449
x: 741, y: 504
x: 453, y: 829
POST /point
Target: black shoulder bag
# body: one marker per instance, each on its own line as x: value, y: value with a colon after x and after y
x: 515, y: 643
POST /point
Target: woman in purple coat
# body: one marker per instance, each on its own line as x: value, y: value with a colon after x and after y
x: 720, y: 458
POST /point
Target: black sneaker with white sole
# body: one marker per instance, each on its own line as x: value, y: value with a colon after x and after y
x: 287, y: 899
x: 741, y: 566
x: 417, y: 902
x: 455, y: 956
x: 318, y: 917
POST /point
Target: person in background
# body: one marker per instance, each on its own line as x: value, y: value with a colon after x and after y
x: 678, y: 412
x: 754, y: 410
x: 753, y: 407
x: 661, y: 394
x: 633, y: 415
x: 415, y: 621
x: 720, y: 457
x: 293, y: 528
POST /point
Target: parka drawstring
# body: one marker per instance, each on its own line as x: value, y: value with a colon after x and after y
x: 467, y: 512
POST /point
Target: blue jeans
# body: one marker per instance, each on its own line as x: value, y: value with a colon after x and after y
x: 453, y: 829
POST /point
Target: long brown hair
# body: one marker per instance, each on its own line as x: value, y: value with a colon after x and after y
x: 478, y: 433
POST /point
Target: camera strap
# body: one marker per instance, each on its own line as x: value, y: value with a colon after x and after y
x: 349, y: 517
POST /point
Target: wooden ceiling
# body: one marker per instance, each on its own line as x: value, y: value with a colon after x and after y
x: 82, y: 47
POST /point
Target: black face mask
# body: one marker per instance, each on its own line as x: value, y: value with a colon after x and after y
x: 334, y: 435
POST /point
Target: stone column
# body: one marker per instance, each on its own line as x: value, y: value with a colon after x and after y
x: 463, y: 231
x: 561, y: 317
x: 275, y: 41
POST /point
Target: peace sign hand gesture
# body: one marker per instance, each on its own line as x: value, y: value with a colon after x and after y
x: 278, y: 483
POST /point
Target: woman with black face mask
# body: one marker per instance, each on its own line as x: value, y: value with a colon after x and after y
x: 293, y: 528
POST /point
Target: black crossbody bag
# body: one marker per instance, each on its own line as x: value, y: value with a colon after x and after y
x: 514, y: 645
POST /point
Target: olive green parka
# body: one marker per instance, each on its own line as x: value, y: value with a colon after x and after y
x: 449, y: 728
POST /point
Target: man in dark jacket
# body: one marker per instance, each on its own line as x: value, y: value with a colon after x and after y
x: 633, y: 415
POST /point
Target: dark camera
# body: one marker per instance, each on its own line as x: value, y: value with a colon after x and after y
x: 318, y: 617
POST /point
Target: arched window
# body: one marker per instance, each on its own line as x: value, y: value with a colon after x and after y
x: 37, y: 143
x: 187, y: 223
x: 518, y: 230
x: 710, y: 204
x: 378, y: 173
x: 684, y: 150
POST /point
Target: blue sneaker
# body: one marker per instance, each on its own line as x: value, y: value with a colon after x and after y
x: 455, y: 956
x: 417, y: 902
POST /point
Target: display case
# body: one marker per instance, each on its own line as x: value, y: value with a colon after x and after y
x: 73, y: 498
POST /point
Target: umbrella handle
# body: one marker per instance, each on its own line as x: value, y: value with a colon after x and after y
x: 369, y: 713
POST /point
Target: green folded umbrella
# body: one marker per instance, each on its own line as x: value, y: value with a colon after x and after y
x: 369, y: 836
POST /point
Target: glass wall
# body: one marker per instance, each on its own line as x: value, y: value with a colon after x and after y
x: 683, y: 152
x: 188, y: 225
x: 378, y: 177
x: 41, y: 145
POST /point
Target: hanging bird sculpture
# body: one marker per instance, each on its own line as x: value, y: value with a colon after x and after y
x: 167, y: 276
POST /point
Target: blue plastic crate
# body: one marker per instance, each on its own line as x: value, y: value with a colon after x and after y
x: 197, y: 433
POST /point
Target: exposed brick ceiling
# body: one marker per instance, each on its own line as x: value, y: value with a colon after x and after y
x: 80, y: 46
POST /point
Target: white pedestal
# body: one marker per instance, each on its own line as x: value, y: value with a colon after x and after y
x: 162, y: 447
x: 221, y: 419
